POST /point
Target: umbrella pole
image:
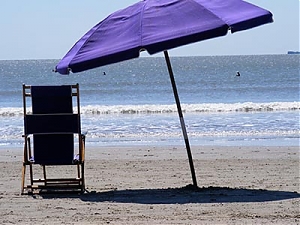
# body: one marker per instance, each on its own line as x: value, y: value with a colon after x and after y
x: 183, y: 127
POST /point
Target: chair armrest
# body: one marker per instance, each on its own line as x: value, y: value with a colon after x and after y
x: 82, y: 137
x: 27, y: 157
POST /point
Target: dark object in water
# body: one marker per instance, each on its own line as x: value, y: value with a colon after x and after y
x: 293, y: 53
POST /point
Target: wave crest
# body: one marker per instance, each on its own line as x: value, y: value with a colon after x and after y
x: 166, y: 109
x: 191, y: 108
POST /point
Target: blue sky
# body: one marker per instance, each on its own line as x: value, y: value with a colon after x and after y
x: 36, y: 29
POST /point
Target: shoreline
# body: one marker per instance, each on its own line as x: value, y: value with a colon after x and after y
x: 115, y: 152
x: 147, y: 185
x: 278, y: 141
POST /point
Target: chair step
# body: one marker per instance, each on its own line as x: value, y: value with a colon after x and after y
x: 59, y: 180
x: 56, y: 189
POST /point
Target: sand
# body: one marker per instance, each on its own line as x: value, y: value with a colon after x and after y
x: 147, y: 185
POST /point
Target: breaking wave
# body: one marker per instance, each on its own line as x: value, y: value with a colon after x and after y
x: 165, y: 109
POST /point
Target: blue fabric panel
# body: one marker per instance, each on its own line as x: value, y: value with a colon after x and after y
x: 55, y: 149
x: 51, y: 99
x: 38, y: 124
x: 52, y: 149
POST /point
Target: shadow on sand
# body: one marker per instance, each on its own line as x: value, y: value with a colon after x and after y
x: 184, y: 195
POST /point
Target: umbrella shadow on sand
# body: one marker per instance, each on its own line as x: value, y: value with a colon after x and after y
x: 188, y: 194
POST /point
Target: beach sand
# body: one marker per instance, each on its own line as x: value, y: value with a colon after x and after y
x: 147, y: 185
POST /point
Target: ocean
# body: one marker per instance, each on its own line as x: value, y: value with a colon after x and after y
x: 132, y: 103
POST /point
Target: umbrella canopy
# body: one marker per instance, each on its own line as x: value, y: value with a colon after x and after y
x: 159, y: 25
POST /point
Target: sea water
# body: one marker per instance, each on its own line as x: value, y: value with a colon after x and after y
x: 132, y: 103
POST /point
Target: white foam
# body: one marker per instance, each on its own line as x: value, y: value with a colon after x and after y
x: 11, y: 111
x: 191, y: 108
x: 165, y: 109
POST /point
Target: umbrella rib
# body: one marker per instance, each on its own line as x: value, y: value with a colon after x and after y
x: 210, y: 11
x: 142, y: 25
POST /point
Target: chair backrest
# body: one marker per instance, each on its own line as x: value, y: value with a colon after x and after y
x: 53, y: 124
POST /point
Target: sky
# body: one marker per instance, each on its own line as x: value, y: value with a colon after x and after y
x: 36, y: 29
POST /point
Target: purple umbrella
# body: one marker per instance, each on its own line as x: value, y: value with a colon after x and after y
x: 159, y: 25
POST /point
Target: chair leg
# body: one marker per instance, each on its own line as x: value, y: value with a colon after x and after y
x: 23, y: 178
x: 25, y: 160
x: 82, y: 177
x: 78, y: 171
x: 31, y: 177
x: 45, y: 176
